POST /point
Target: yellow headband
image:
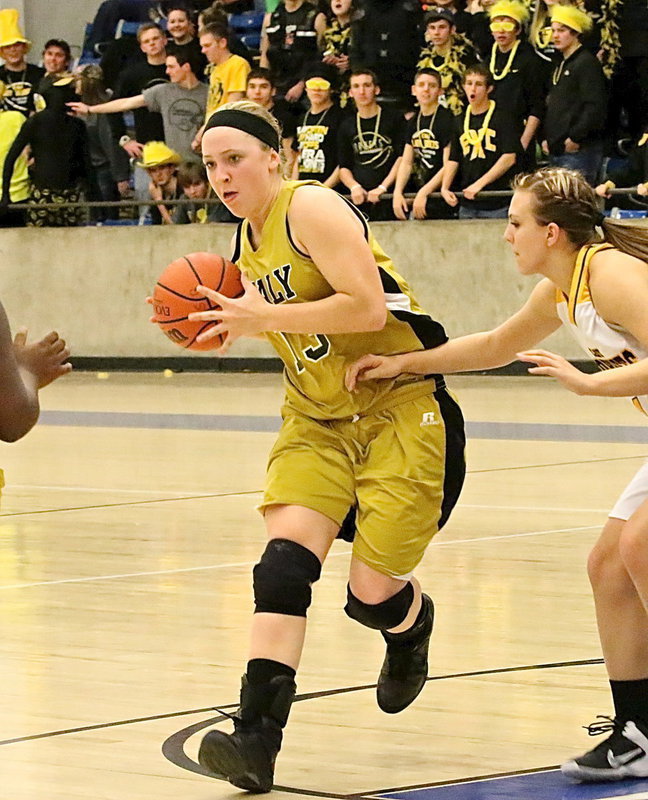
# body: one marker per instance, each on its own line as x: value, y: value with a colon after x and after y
x: 509, y: 8
x: 318, y: 83
x: 572, y: 17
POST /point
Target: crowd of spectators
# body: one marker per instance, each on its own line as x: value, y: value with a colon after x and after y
x: 411, y: 110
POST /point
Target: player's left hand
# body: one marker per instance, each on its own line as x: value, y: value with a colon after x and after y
x: 557, y: 367
x: 237, y: 316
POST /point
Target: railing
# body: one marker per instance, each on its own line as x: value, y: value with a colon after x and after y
x: 131, y: 203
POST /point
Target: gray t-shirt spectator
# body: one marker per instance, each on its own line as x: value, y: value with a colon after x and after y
x: 183, y: 112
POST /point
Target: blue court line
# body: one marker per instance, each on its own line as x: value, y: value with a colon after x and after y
x: 526, y: 431
x: 547, y: 785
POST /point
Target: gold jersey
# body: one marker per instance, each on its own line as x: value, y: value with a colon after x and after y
x: 315, y: 364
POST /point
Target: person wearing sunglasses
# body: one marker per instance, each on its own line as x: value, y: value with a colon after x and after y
x: 517, y: 74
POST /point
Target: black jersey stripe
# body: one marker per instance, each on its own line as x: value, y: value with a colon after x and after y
x: 237, y: 241
x: 429, y: 332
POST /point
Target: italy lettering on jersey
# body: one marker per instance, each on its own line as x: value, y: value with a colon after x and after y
x: 315, y: 364
x: 607, y: 344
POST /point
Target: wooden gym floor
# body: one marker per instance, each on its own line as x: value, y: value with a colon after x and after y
x: 127, y: 536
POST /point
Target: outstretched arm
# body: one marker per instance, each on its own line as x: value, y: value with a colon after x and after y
x: 110, y: 107
x: 486, y: 350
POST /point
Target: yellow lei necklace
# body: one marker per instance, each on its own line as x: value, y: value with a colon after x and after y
x: 507, y: 67
x: 474, y: 138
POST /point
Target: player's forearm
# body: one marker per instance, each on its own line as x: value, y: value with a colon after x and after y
x: 338, y: 313
x: 465, y: 354
x: 20, y: 413
x: 627, y: 381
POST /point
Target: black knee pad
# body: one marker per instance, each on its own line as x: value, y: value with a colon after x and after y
x: 283, y: 578
x: 381, y: 616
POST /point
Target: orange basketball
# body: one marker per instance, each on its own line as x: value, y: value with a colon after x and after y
x: 175, y: 296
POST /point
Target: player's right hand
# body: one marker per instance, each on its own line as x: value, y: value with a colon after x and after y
x: 47, y: 359
x: 369, y: 368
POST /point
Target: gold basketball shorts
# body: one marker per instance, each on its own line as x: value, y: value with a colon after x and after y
x: 403, y: 467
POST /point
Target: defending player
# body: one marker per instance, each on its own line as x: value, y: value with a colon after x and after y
x: 24, y: 369
x: 598, y: 289
x: 395, y: 448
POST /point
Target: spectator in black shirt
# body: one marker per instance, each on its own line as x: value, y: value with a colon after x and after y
x: 317, y: 130
x: 576, y: 111
x: 427, y: 149
x: 61, y: 158
x: 482, y: 153
x: 56, y: 61
x: 20, y: 78
x: 518, y: 74
x: 180, y: 28
x: 289, y: 45
x: 369, y: 146
x: 386, y: 38
x: 133, y: 81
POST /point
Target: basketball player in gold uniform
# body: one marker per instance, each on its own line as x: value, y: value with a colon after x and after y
x: 394, y: 449
x: 598, y: 288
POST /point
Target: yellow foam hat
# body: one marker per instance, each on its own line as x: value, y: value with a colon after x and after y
x: 10, y: 32
x: 155, y: 154
x: 509, y: 8
x: 572, y: 17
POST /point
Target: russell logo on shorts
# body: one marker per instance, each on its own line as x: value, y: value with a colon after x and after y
x: 429, y: 418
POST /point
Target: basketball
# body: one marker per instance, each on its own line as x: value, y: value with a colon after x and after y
x: 175, y: 297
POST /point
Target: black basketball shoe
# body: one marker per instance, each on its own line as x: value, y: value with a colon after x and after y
x: 246, y: 758
x: 405, y: 667
x: 624, y: 754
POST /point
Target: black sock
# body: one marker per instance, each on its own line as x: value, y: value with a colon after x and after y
x: 630, y: 699
x: 263, y: 670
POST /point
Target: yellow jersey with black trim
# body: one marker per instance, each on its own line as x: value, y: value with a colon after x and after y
x: 608, y: 344
x: 315, y: 364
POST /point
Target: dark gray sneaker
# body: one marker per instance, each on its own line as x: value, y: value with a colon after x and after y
x: 624, y: 754
x: 246, y: 758
x: 405, y: 667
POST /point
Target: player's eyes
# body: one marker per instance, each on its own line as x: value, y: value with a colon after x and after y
x: 209, y: 164
x: 234, y: 159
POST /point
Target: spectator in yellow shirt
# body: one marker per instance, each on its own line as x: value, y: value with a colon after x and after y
x: 228, y: 72
x: 19, y: 188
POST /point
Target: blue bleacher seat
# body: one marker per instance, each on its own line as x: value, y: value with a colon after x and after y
x: 247, y: 22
